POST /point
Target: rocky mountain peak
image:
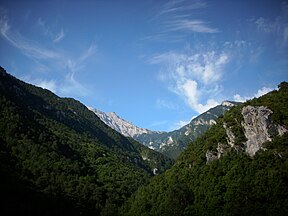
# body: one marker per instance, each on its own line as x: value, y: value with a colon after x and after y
x: 228, y: 103
x: 170, y: 143
x: 117, y: 123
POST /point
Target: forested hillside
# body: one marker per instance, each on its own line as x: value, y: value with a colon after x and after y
x: 59, y: 158
x: 173, y: 143
x: 239, y: 167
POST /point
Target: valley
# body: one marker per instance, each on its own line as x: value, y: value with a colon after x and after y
x: 171, y: 143
x: 59, y: 157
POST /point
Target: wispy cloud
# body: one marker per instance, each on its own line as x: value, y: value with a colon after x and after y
x: 54, y: 35
x: 43, y: 83
x: 178, y: 18
x: 176, y: 6
x: 193, y: 76
x: 46, y: 84
x: 27, y: 47
x: 59, y: 36
x: 259, y: 93
x: 179, y: 124
x: 160, y: 37
x: 51, y: 60
x: 71, y: 84
x: 190, y: 25
x: 77, y: 65
x: 276, y: 28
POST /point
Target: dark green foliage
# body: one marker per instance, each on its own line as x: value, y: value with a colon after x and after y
x: 197, y: 127
x: 276, y: 101
x: 58, y: 158
x: 235, y: 184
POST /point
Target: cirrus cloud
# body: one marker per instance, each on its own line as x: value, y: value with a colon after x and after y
x: 193, y: 76
x: 51, y: 59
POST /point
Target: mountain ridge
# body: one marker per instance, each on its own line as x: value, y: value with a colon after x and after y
x: 54, y: 149
x: 119, y: 124
x: 58, y: 158
x: 169, y: 143
x: 238, y: 167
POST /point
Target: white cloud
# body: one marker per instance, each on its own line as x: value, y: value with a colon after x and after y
x: 51, y: 33
x: 27, y: 47
x: 59, y: 36
x: 159, y: 37
x: 239, y: 98
x: 50, y: 85
x: 262, y: 91
x: 78, y: 64
x: 46, y: 84
x: 4, y: 26
x: 189, y: 89
x: 194, y: 76
x: 175, y: 6
x: 259, y: 93
x: 180, y: 124
x: 276, y: 27
x: 190, y: 25
x: 264, y: 25
x: 176, y: 19
x: 192, y: 96
x: 206, y: 67
x: 52, y: 60
x: 71, y: 86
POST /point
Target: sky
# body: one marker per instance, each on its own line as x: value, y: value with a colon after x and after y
x: 155, y: 63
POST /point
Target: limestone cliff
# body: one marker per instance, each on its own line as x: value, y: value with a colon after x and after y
x: 258, y: 128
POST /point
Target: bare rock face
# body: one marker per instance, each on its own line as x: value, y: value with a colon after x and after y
x: 211, y: 156
x: 117, y: 123
x: 256, y: 128
x: 222, y: 149
x: 230, y: 135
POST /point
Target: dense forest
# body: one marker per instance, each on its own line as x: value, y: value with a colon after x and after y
x: 234, y: 184
x: 58, y: 158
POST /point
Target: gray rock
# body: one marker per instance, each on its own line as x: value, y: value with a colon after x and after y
x: 222, y: 149
x: 230, y: 135
x: 256, y: 128
x: 211, y: 156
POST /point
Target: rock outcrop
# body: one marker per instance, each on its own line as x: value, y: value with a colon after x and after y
x: 256, y: 126
x: 211, y: 156
x: 230, y: 136
x: 258, y: 129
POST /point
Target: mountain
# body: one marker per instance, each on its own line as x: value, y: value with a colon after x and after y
x: 238, y: 167
x: 58, y: 158
x: 169, y: 143
x: 174, y: 142
x: 119, y: 124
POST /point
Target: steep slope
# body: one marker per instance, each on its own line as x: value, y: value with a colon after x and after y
x: 174, y: 142
x: 169, y: 143
x: 57, y: 154
x: 119, y: 124
x: 238, y: 167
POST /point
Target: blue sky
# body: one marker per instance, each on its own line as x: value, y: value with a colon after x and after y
x: 155, y: 63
